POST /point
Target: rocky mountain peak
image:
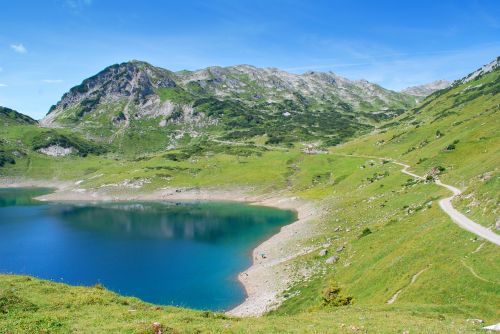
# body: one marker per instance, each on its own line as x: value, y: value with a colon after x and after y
x: 426, y: 89
x: 134, y: 80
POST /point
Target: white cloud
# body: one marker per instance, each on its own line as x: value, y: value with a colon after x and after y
x: 52, y: 81
x: 19, y: 48
x: 3, y: 85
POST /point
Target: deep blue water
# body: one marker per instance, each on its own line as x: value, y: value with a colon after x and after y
x: 184, y: 253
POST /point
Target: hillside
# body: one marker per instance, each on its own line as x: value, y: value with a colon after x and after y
x: 12, y: 117
x: 137, y: 101
x: 21, y: 137
x: 454, y: 133
x: 395, y: 258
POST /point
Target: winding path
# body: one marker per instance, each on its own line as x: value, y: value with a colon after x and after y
x: 413, y: 280
x: 454, y: 214
x: 446, y: 205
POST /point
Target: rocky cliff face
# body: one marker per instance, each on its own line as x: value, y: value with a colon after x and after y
x: 134, y: 83
x: 427, y: 89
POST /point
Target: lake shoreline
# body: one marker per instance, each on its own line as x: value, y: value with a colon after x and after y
x: 266, y: 279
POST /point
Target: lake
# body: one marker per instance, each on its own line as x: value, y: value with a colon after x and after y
x: 176, y: 253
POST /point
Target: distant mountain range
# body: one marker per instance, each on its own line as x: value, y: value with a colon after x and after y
x: 427, y: 89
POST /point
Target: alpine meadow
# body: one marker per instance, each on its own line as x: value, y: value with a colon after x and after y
x: 269, y: 198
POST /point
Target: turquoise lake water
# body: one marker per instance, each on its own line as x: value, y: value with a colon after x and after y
x: 177, y: 253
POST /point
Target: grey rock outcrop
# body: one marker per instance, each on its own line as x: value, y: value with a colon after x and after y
x: 332, y: 259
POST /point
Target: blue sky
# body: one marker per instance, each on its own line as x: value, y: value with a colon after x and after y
x: 46, y: 47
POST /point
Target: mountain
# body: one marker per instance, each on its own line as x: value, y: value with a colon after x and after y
x: 231, y: 103
x: 11, y: 117
x: 426, y: 89
x: 493, y: 65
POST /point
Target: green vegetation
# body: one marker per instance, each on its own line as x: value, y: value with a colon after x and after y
x: 236, y: 103
x: 12, y: 117
x: 29, y: 305
x: 52, y: 137
x: 174, y: 94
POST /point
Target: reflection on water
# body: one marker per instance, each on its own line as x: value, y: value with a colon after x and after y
x: 21, y: 196
x: 186, y: 253
x: 209, y: 222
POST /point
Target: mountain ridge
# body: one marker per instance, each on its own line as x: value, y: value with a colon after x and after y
x: 12, y: 117
x: 427, y: 89
x: 235, y: 102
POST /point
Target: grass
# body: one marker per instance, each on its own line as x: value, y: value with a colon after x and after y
x: 30, y: 305
x: 421, y: 141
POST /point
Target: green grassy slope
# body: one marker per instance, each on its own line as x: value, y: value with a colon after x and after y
x: 456, y: 129
x: 29, y: 305
x: 12, y: 117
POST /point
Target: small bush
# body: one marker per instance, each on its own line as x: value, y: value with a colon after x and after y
x: 452, y: 146
x: 365, y: 232
x: 176, y: 156
x: 6, y: 158
x: 332, y: 296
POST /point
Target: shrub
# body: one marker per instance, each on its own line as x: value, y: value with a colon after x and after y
x: 452, y: 146
x: 365, y: 232
x: 332, y: 296
x: 274, y: 139
x: 6, y: 158
x: 176, y: 156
